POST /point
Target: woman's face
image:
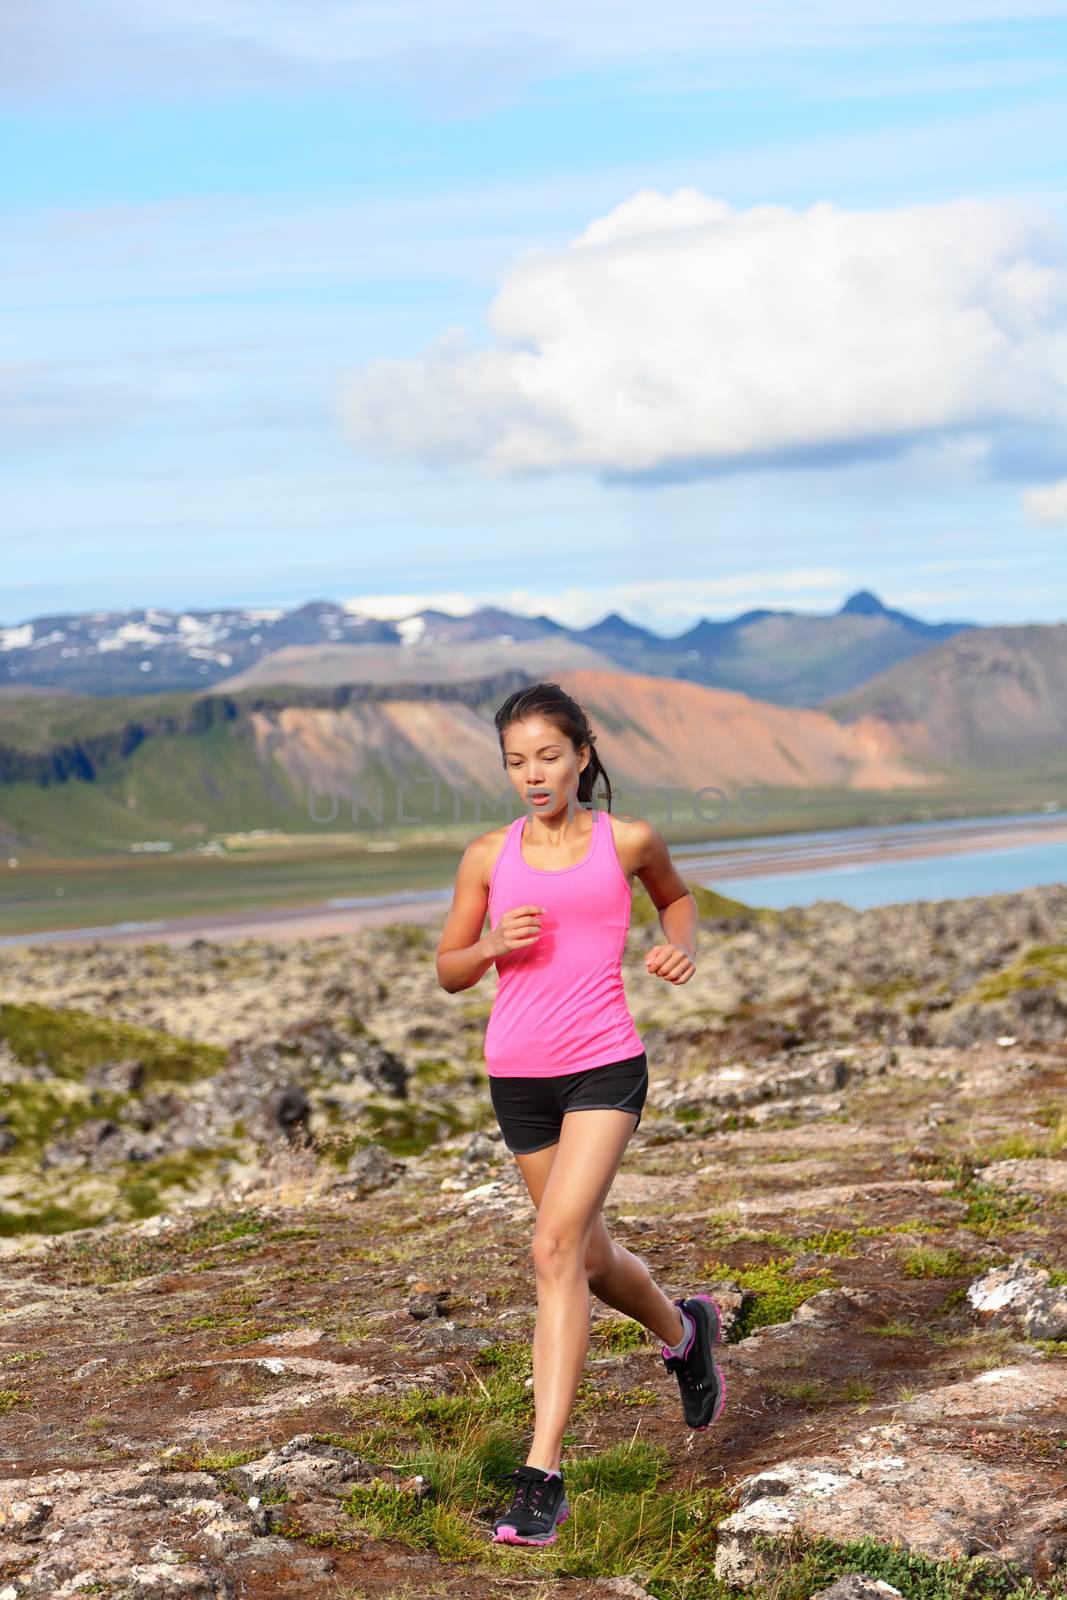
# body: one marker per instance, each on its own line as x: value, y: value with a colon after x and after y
x: 540, y: 758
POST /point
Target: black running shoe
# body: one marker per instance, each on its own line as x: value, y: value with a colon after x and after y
x: 701, y: 1382
x: 537, y: 1507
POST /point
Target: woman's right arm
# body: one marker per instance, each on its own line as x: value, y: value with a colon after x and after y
x: 464, y: 954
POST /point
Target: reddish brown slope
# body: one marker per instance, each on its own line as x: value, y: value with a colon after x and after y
x: 652, y: 731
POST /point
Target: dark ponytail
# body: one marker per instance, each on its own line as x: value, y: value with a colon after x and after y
x: 553, y: 703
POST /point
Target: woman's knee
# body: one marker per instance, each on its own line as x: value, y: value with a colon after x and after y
x: 554, y: 1249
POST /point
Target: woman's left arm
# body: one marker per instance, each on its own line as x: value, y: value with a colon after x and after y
x: 674, y: 961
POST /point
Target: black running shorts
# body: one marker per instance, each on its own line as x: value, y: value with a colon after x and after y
x: 530, y: 1111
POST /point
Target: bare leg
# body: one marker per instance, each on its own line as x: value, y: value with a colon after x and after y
x: 590, y: 1147
x: 615, y: 1275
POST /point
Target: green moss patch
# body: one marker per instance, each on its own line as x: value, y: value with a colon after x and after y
x: 51, y: 1219
x: 124, y: 1191
x: 143, y: 1191
x: 991, y: 1210
x: 1038, y: 967
x: 407, y: 1130
x: 185, y: 1458
x: 931, y: 1261
x: 776, y: 1289
x: 37, y: 1112
x: 620, y: 1333
x: 437, y: 1070
x: 68, y: 1042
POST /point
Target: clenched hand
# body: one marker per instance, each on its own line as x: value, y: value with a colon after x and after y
x: 670, y: 962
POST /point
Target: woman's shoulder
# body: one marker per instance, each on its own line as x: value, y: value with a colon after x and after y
x: 626, y: 827
x: 633, y: 838
x: 493, y: 837
x: 485, y: 848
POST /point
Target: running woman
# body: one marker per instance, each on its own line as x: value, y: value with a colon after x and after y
x: 556, y: 883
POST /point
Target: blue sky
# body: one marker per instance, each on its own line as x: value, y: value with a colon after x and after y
x: 293, y: 306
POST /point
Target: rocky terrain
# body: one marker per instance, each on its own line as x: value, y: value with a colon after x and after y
x: 266, y: 1296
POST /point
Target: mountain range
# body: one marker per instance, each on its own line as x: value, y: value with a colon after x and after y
x: 788, y: 657
x: 324, y: 702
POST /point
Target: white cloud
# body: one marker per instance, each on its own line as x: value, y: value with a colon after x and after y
x: 1046, y: 504
x: 679, y: 334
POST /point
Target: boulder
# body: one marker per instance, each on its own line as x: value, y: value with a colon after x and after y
x: 940, y: 1503
x: 1031, y: 1176
x: 1000, y: 1396
x: 305, y: 1467
x: 371, y: 1168
x: 1021, y: 1296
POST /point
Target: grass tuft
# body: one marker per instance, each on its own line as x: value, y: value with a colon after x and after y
x: 933, y: 1261
x: 776, y: 1292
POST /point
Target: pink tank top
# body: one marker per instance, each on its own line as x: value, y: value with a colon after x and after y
x: 560, y: 1005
